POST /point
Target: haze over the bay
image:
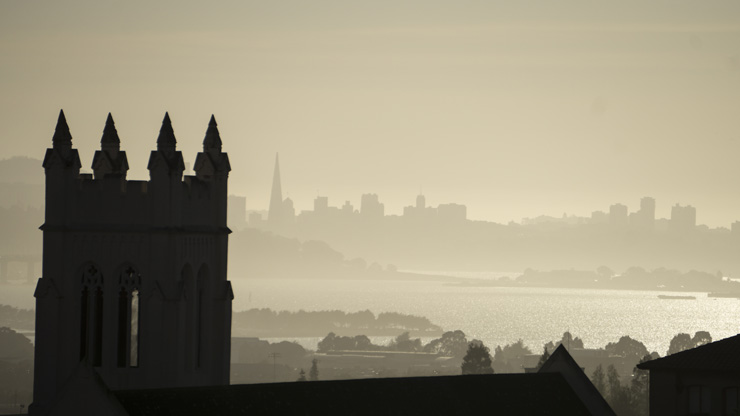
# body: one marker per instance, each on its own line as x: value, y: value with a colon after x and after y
x: 514, y: 109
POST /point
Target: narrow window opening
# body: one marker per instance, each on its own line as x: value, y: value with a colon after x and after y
x: 134, y: 327
x: 129, y: 305
x: 98, y: 346
x: 122, y: 327
x: 83, y: 322
x: 199, y: 328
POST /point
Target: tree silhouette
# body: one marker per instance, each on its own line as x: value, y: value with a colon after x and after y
x: 680, y: 342
x: 313, y: 374
x: 302, y: 376
x: 451, y: 344
x: 599, y: 380
x: 404, y: 342
x: 543, y: 359
x: 639, y: 389
x: 502, y: 356
x: 701, y: 338
x: 612, y: 379
x: 14, y: 345
x: 618, y: 397
x: 627, y: 348
x: 477, y: 360
x: 332, y: 342
x: 567, y: 341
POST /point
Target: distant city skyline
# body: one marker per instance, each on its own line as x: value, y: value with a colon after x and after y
x: 282, y: 209
x: 513, y: 109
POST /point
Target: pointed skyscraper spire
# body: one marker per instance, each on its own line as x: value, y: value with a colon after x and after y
x: 212, y: 141
x: 166, y: 139
x: 275, y: 214
x: 110, y: 141
x: 62, y: 138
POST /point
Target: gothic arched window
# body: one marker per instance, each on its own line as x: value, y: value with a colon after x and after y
x: 128, y: 317
x: 91, y: 315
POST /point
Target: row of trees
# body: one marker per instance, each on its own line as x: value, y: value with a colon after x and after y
x: 266, y: 319
x: 451, y: 344
x: 313, y: 373
x: 16, y: 367
x: 624, y: 398
x: 634, y: 350
x: 455, y: 344
x: 13, y: 317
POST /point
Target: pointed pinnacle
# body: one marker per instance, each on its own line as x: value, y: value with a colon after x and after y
x: 166, y: 139
x: 110, y: 138
x: 62, y: 136
x: 212, y: 141
x: 62, y: 120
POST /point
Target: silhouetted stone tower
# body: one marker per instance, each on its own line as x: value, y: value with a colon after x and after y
x: 134, y: 278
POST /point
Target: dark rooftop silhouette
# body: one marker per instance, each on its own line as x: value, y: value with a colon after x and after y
x: 562, y: 362
x: 509, y: 394
x: 720, y: 356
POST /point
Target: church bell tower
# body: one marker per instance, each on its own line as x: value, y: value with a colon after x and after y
x: 134, y: 281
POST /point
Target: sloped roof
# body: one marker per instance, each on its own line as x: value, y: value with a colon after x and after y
x: 562, y: 362
x: 722, y: 355
x: 509, y: 394
x: 85, y: 393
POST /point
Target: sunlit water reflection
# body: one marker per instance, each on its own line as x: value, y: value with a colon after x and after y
x: 495, y: 315
x: 501, y: 315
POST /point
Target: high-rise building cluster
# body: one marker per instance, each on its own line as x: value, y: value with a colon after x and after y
x: 682, y: 220
x: 282, y: 214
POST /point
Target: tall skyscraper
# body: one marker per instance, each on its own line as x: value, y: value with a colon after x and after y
x: 275, y: 214
x: 281, y: 212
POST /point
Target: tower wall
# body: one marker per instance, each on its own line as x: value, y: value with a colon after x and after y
x: 134, y: 274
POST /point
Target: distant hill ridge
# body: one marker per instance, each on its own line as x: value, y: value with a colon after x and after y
x: 21, y: 183
x: 21, y: 169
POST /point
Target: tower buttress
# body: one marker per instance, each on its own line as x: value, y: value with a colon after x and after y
x: 166, y: 167
x: 212, y: 165
x: 212, y: 162
x: 62, y: 167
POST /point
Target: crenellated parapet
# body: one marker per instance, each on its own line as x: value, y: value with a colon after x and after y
x: 168, y: 200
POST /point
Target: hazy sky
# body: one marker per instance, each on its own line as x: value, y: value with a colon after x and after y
x: 514, y: 108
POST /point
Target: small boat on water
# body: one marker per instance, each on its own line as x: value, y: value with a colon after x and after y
x: 723, y: 295
x: 676, y: 297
